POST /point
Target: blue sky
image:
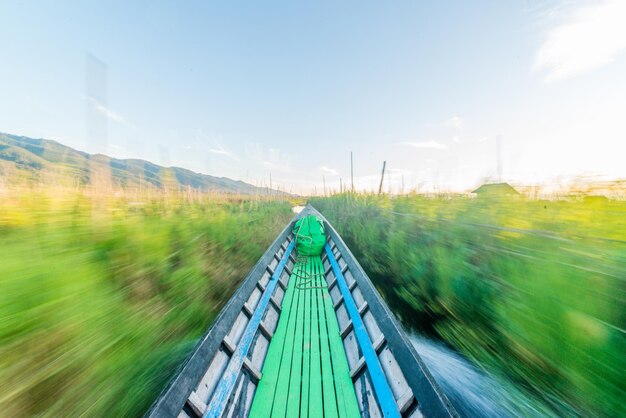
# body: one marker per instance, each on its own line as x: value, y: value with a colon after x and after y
x: 245, y: 89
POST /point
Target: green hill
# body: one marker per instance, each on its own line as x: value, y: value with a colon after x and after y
x: 47, y: 160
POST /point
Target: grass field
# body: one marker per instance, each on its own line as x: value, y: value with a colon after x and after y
x: 102, y: 297
x: 533, y: 290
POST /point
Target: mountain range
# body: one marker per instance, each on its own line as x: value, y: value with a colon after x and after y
x: 49, y: 161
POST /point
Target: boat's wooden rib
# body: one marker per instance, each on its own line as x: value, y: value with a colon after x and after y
x: 329, y: 348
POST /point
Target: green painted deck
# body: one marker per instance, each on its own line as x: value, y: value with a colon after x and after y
x: 306, y: 372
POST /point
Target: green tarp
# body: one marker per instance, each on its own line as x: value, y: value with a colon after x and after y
x: 310, y: 236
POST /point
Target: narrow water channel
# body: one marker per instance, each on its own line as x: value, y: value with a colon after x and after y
x: 473, y: 392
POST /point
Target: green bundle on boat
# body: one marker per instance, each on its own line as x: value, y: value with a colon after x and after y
x: 310, y: 235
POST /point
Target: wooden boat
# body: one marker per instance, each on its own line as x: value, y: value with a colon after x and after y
x: 304, y: 337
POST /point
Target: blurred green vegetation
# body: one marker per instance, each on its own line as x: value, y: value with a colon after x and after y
x: 102, y: 297
x: 530, y: 289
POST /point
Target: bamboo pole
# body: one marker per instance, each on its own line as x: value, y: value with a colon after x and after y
x: 382, y: 177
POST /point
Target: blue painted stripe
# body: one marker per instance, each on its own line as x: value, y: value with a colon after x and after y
x: 381, y: 387
x: 229, y: 377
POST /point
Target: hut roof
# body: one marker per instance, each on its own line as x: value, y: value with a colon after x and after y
x: 496, y: 189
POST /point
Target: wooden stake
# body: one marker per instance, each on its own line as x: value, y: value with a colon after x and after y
x: 382, y: 176
x: 352, y: 171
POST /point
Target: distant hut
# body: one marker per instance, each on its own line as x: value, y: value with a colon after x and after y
x: 496, y: 190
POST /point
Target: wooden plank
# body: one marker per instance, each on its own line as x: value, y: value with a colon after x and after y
x: 315, y: 372
x: 328, y: 385
x: 334, y: 282
x: 282, y: 386
x: 229, y: 345
x: 239, y: 326
x: 264, y: 396
x: 261, y: 345
x: 265, y: 331
x: 210, y: 379
x: 255, y: 374
x: 248, y: 310
x: 358, y: 367
x: 346, y: 330
x: 346, y: 397
x: 339, y: 301
x: 295, y: 380
x: 196, y: 404
x: 306, y: 353
x: 254, y: 298
x: 363, y: 308
x: 275, y: 304
x: 282, y: 284
x: 406, y: 401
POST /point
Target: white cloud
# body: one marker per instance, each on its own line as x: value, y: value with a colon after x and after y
x: 108, y: 113
x: 215, y: 146
x: 592, y: 36
x: 329, y: 171
x: 224, y: 152
x: 426, y: 144
x: 455, y: 122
